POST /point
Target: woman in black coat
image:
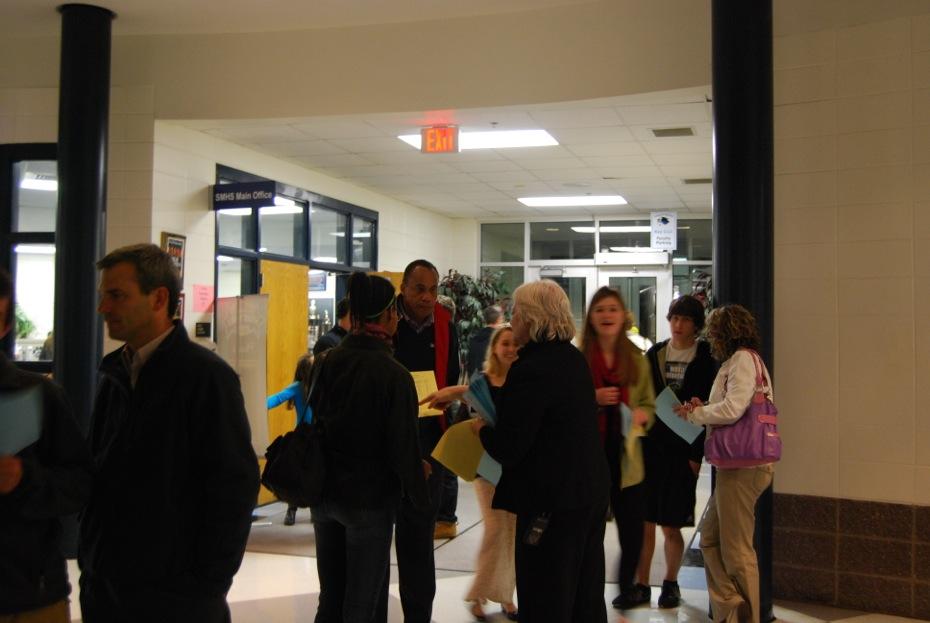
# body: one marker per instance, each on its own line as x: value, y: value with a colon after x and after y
x: 555, y: 477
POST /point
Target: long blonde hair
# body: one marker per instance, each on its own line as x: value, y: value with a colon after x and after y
x: 492, y: 365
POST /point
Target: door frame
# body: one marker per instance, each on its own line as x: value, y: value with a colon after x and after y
x: 664, y: 284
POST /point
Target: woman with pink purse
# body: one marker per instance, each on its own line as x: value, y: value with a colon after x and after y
x: 743, y: 443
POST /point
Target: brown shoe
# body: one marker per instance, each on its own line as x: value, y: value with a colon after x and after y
x: 445, y: 530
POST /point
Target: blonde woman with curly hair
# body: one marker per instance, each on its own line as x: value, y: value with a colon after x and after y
x: 727, y: 529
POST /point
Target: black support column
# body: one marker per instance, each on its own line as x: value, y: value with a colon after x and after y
x: 83, y: 122
x: 743, y: 194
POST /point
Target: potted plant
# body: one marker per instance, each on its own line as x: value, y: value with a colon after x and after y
x: 471, y: 296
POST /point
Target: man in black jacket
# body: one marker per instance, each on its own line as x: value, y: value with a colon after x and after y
x: 165, y: 529
x: 41, y: 483
x: 425, y: 340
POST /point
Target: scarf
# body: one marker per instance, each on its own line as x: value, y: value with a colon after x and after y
x: 374, y: 330
x: 607, y: 417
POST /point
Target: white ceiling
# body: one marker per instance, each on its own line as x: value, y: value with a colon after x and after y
x: 143, y: 17
x: 605, y: 146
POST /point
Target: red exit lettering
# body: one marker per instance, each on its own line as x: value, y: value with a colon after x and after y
x: 439, y: 139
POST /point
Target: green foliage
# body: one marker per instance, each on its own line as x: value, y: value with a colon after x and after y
x: 24, y: 326
x: 471, y: 296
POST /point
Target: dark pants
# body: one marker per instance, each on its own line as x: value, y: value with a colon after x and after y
x: 629, y: 508
x: 413, y: 543
x: 449, y: 497
x: 103, y: 601
x: 353, y: 557
x: 561, y: 579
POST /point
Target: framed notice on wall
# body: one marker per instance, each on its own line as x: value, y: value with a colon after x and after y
x: 174, y: 244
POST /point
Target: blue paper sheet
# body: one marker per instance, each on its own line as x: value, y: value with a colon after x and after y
x: 478, y: 396
x: 489, y: 469
x: 626, y: 420
x: 20, y: 419
x: 666, y: 402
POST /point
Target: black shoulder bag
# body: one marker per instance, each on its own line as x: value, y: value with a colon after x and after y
x: 295, y: 462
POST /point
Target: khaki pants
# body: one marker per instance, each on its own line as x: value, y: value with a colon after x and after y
x: 56, y: 613
x: 726, y: 542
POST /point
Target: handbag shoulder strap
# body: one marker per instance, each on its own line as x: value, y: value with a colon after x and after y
x: 315, y: 387
x: 761, y: 382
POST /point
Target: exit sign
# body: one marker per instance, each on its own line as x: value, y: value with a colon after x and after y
x: 439, y: 139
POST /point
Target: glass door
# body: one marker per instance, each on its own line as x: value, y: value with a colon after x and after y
x: 648, y: 295
x: 578, y: 282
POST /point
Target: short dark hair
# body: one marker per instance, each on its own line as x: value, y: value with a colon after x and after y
x: 342, y: 308
x: 688, y: 307
x: 412, y: 266
x: 6, y: 284
x: 154, y: 269
x: 492, y: 314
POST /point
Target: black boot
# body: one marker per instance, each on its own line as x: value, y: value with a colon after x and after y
x: 290, y: 517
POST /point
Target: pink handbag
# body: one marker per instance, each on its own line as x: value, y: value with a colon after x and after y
x: 752, y: 439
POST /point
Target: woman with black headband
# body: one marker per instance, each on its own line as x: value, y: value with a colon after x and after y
x: 367, y: 405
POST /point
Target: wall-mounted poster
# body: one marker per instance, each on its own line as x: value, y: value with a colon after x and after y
x: 174, y: 244
x: 318, y: 281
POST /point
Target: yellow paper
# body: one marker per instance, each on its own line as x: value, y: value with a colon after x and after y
x: 426, y: 385
x: 460, y: 450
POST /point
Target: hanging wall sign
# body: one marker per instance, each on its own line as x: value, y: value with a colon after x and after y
x: 244, y: 195
x: 439, y: 139
x: 664, y: 231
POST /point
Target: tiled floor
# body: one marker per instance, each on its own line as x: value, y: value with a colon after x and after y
x: 283, y: 588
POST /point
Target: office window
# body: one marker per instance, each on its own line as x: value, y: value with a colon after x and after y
x: 562, y: 241
x: 502, y: 242
x: 328, y: 236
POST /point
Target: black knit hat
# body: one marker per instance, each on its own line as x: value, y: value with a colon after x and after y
x: 689, y: 307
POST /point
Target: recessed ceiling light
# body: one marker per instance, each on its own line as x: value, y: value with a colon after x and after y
x: 554, y: 228
x: 564, y: 202
x: 31, y: 181
x: 615, y: 229
x: 494, y: 140
x: 35, y: 249
x: 281, y: 209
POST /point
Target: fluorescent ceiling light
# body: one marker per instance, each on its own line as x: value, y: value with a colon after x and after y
x: 358, y: 234
x: 632, y: 249
x: 35, y: 249
x: 224, y: 258
x: 679, y: 260
x: 327, y: 260
x: 236, y: 211
x: 615, y: 229
x: 283, y: 201
x: 33, y: 182
x: 500, y: 139
x: 564, y: 202
x: 280, y: 209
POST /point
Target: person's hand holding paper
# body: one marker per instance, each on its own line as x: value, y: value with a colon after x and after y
x: 425, y: 382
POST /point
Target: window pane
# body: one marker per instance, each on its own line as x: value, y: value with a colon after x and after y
x: 282, y: 229
x: 327, y: 236
x: 502, y: 242
x: 35, y: 306
x: 235, y: 228
x: 36, y: 184
x: 694, y: 280
x: 512, y: 276
x: 620, y: 236
x: 561, y: 241
x: 234, y: 276
x: 363, y: 232
x: 695, y: 240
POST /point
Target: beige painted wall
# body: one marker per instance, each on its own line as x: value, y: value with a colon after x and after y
x: 852, y: 259
x: 596, y: 49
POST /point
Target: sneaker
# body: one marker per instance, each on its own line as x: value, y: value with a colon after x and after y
x: 671, y: 595
x: 290, y: 517
x: 445, y: 530
x: 633, y: 596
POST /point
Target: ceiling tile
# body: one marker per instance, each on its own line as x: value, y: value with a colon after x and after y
x: 333, y: 160
x: 373, y: 144
x: 259, y: 134
x: 663, y: 115
x: 673, y: 160
x: 583, y: 136
x: 505, y: 176
x: 607, y: 149
x: 534, y: 153
x: 302, y: 148
x: 627, y: 171
x: 328, y: 127
x: 554, y: 163
x: 686, y: 172
x: 568, y: 118
x: 487, y: 166
x: 688, y: 145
